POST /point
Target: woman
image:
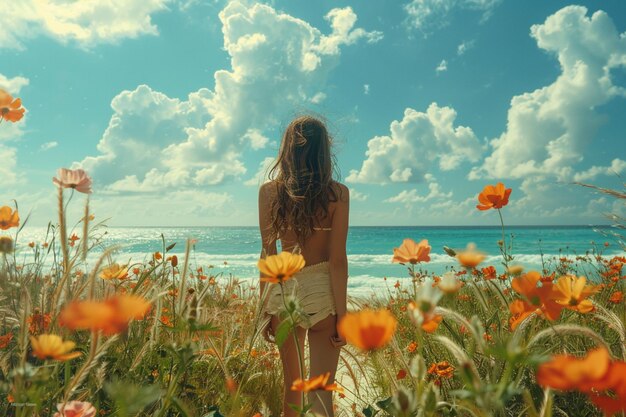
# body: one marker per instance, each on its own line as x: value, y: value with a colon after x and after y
x: 304, y: 208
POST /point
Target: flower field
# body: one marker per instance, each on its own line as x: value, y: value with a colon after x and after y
x: 163, y: 337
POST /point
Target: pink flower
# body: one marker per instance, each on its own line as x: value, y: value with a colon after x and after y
x: 75, y: 409
x: 73, y: 178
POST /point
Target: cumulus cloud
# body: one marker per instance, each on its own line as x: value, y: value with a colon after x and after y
x: 10, y: 132
x: 549, y: 129
x: 261, y: 175
x: 616, y: 168
x: 464, y: 47
x: 86, y: 22
x: 426, y: 15
x: 357, y: 195
x: 13, y: 85
x: 409, y: 197
x: 415, y: 142
x: 277, y: 60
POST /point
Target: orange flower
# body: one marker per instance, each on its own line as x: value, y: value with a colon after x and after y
x: 5, y: 340
x: 540, y: 297
x: 427, y: 320
x: 489, y: 273
x: 493, y: 197
x: 114, y: 271
x: 572, y: 293
x: 595, y: 375
x: 317, y: 383
x: 411, y: 347
x: 368, y: 329
x: 8, y: 218
x: 73, y: 178
x: 617, y: 297
x: 470, y: 257
x: 11, y: 109
x: 520, y: 309
x: 111, y: 316
x: 441, y: 369
x: 279, y: 268
x: 73, y: 239
x: 75, y: 409
x: 38, y: 323
x: 52, y: 346
x: 449, y: 283
x: 411, y: 252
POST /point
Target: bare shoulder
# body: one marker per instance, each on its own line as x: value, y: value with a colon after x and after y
x: 267, y: 190
x: 342, y: 192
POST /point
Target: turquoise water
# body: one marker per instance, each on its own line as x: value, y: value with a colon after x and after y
x: 370, y: 249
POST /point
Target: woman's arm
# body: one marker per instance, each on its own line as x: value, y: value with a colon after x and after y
x: 268, y: 244
x: 338, y: 259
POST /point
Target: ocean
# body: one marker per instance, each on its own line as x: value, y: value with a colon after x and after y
x: 235, y: 250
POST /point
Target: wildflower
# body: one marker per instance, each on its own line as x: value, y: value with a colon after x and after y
x: 441, y: 369
x: 542, y: 298
x: 279, y: 268
x: 449, y: 283
x: 519, y: 311
x: 489, y: 272
x: 429, y: 322
x: 6, y: 244
x: 317, y: 383
x: 368, y: 329
x: 231, y: 385
x: 31, y: 244
x: 515, y: 269
x: 73, y: 178
x: 114, y: 271
x: 8, y: 218
x: 401, y: 374
x: 52, y: 346
x: 411, y: 252
x: 75, y: 409
x: 573, y: 293
x: 617, y: 297
x: 174, y: 261
x: 11, y: 109
x: 411, y: 347
x: 73, y: 239
x: 494, y: 197
x: 111, y: 316
x: 470, y: 257
x: 38, y: 322
x: 5, y: 340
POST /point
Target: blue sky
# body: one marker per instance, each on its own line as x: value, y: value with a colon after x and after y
x: 175, y: 107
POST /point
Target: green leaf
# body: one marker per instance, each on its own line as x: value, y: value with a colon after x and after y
x: 170, y: 247
x: 284, y: 328
x: 369, y: 411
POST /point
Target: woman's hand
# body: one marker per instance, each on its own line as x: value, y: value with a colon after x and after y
x: 268, y: 332
x: 337, y: 340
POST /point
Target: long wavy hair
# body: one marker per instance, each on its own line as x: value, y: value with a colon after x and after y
x: 303, y: 174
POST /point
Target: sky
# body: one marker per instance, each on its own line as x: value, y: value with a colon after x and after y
x: 176, y: 107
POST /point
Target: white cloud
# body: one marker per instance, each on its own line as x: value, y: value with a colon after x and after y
x: 49, y: 145
x: 366, y: 89
x: 357, y: 195
x: 413, y: 144
x: 443, y: 66
x: 277, y: 62
x: 318, y: 98
x: 8, y: 156
x: 86, y: 22
x: 409, y: 197
x: 616, y: 168
x: 13, y: 85
x: 464, y: 47
x: 549, y: 129
x: 425, y: 15
x: 261, y: 175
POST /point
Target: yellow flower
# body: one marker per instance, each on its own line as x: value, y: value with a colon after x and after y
x: 114, y: 271
x: 572, y: 293
x: 51, y: 346
x: 281, y: 267
x: 8, y: 218
x: 470, y: 257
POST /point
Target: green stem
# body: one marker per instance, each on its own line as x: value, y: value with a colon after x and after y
x: 295, y: 338
x: 503, y: 247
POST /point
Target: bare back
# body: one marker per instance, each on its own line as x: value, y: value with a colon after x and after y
x: 328, y: 239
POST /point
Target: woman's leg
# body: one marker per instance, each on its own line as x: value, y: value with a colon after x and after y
x: 324, y: 357
x: 291, y: 367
